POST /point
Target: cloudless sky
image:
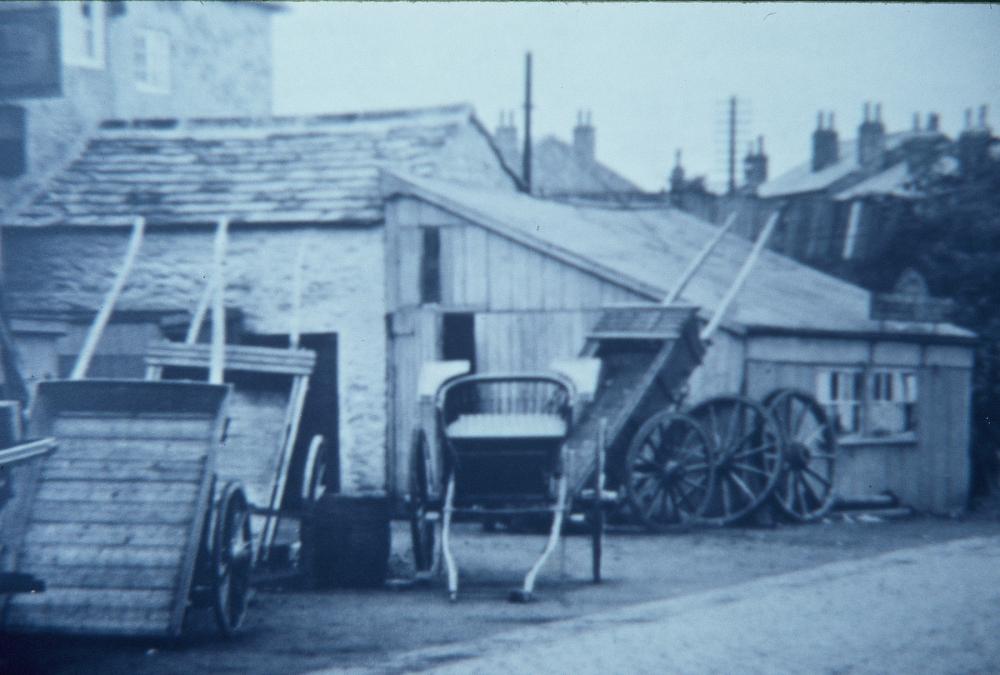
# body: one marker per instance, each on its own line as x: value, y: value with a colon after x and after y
x: 655, y: 75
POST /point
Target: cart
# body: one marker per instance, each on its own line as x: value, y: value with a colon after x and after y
x: 127, y: 524
x: 18, y: 465
x: 269, y: 387
x: 501, y: 453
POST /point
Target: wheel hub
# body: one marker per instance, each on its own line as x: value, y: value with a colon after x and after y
x: 672, y: 470
x: 799, y: 455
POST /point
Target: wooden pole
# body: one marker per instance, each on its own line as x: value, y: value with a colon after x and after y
x: 217, y: 359
x: 294, y: 334
x: 751, y: 260
x: 696, y: 263
x: 104, y: 314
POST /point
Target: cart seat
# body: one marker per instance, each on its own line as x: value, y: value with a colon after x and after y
x: 502, y: 425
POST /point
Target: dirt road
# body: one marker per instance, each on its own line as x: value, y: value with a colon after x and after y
x: 296, y: 631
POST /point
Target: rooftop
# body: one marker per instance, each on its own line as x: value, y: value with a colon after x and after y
x: 321, y: 168
x: 648, y: 249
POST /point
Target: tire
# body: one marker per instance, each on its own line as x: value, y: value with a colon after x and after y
x: 349, y: 541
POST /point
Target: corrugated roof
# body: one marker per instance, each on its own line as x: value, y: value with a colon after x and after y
x: 802, y: 178
x: 650, y: 248
x: 321, y: 168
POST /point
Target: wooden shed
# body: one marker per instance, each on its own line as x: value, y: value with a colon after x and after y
x: 511, y: 282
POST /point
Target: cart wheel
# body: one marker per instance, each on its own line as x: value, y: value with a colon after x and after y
x: 746, y: 454
x: 668, y: 471
x: 805, y: 489
x: 232, y: 559
x: 314, y: 472
x: 421, y: 527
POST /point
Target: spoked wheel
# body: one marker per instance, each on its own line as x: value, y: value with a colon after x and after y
x: 805, y: 489
x: 747, y: 455
x: 421, y: 486
x: 668, y: 471
x: 232, y: 559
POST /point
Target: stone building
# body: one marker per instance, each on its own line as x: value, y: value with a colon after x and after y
x: 66, y: 66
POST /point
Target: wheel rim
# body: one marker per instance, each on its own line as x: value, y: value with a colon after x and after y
x: 747, y: 456
x: 232, y: 560
x: 805, y: 490
x: 421, y: 528
x: 314, y: 473
x: 668, y: 470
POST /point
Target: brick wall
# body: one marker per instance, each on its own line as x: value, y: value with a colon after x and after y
x: 342, y: 293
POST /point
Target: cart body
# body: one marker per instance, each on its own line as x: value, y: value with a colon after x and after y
x: 116, y: 518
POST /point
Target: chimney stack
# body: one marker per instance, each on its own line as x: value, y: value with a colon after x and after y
x: 755, y: 166
x: 826, y: 145
x: 505, y: 139
x: 974, y: 144
x: 677, y: 182
x: 583, y: 138
x: 871, y: 138
x: 933, y: 122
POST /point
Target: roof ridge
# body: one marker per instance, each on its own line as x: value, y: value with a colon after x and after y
x: 284, y: 121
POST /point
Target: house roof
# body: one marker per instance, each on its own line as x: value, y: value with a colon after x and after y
x: 646, y: 250
x: 896, y: 181
x: 557, y: 172
x: 317, y: 169
x: 802, y: 178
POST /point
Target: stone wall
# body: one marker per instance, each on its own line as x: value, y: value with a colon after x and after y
x: 343, y: 293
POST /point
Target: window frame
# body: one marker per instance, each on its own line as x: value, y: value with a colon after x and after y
x: 881, y: 387
x: 83, y: 34
x: 155, y: 75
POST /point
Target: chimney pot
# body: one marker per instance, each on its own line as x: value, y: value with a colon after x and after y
x: 868, y: 111
x: 933, y: 121
x: 878, y: 112
x: 968, y: 118
x: 829, y: 120
x: 819, y: 120
x: 916, y: 121
x: 982, y: 116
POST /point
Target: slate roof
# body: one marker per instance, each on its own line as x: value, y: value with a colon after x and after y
x: 648, y: 249
x: 556, y: 172
x: 319, y: 169
x: 896, y: 181
x: 802, y: 179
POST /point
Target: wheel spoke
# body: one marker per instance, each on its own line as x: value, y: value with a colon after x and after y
x: 815, y: 474
x: 742, y: 486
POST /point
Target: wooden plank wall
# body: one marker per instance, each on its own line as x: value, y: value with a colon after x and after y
x: 930, y: 473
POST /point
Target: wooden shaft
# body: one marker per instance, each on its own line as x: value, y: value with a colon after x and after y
x: 751, y: 260
x: 199, y: 313
x: 104, y: 314
x: 216, y: 364
x: 294, y: 332
x: 696, y: 263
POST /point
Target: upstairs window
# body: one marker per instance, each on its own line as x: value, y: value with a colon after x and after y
x: 151, y: 62
x: 83, y: 33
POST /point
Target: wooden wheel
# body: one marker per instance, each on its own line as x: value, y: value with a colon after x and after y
x: 668, y: 470
x: 421, y: 488
x: 747, y: 456
x: 314, y: 472
x: 805, y: 489
x: 597, y: 511
x: 232, y: 559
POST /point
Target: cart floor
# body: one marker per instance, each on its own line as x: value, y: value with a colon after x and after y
x: 116, y: 517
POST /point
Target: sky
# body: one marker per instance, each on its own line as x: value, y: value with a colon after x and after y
x: 655, y: 76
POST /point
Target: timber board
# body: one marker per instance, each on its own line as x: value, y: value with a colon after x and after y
x: 107, y: 534
x: 80, y: 511
x: 110, y: 578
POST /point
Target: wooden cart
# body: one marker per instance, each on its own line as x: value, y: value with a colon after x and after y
x: 500, y: 443
x: 17, y: 469
x: 127, y: 524
x: 269, y: 388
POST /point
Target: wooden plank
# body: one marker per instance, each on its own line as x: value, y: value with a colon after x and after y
x: 477, y: 271
x: 123, y: 598
x: 106, y: 534
x: 131, y: 428
x: 86, y: 620
x: 91, y: 556
x: 63, y: 511
x: 152, y: 449
x: 122, y: 469
x: 238, y: 358
x: 115, y: 492
x: 109, y: 578
x: 203, y: 503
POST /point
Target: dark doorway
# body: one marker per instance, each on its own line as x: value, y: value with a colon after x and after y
x: 458, y: 339
x: 320, y: 413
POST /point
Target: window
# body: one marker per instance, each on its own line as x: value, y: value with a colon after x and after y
x: 430, y: 266
x: 878, y: 402
x: 13, y: 156
x: 83, y: 33
x: 841, y: 393
x: 152, y: 62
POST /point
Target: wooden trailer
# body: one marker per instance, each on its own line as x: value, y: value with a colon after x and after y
x: 127, y: 525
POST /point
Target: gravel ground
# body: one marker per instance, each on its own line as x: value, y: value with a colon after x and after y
x: 299, y: 631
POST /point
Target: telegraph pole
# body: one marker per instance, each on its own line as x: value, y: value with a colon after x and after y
x: 526, y: 155
x: 732, y: 145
